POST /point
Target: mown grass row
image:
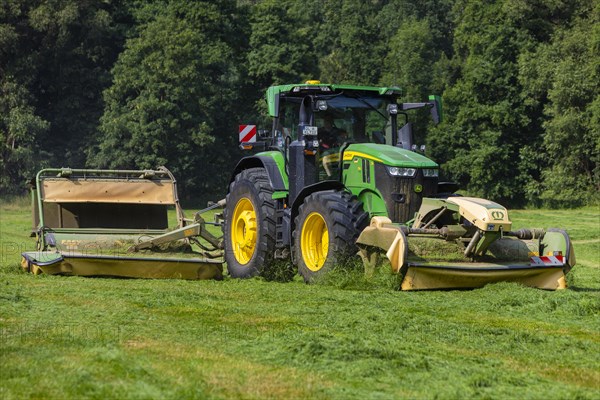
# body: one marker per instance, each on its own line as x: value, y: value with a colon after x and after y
x: 352, y: 337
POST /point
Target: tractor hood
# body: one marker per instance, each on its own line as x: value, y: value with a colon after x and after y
x: 388, y: 155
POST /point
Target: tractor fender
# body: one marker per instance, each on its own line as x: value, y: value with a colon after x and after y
x: 307, y: 191
x: 373, y: 202
x: 269, y: 163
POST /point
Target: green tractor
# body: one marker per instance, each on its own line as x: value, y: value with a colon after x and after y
x: 339, y: 172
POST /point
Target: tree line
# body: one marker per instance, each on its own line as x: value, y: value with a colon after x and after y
x: 141, y: 83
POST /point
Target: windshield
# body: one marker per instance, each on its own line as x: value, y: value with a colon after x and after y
x: 339, y: 118
x: 347, y: 118
x: 358, y: 120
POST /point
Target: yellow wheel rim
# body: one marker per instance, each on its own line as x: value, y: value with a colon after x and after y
x: 243, y: 231
x: 314, y: 241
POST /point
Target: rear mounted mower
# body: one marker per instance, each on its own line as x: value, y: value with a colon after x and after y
x: 112, y: 223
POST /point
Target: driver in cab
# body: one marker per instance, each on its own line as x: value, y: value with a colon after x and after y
x: 330, y: 139
x: 329, y: 135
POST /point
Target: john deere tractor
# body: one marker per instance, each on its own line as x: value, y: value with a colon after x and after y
x: 339, y: 172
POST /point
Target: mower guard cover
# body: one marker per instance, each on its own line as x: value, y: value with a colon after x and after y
x: 87, y: 220
x: 540, y: 262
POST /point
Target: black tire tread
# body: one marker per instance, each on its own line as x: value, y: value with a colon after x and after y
x: 349, y: 219
x: 266, y: 207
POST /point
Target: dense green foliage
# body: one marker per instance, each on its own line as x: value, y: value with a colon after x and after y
x: 172, y: 85
x: 55, y: 61
x: 137, y: 83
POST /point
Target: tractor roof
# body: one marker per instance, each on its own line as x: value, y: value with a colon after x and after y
x: 317, y: 87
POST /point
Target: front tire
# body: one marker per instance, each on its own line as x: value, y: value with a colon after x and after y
x: 326, y: 229
x: 249, y: 228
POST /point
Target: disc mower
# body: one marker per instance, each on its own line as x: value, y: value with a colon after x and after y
x: 115, y: 223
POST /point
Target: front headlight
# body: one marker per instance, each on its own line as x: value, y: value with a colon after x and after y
x: 398, y: 171
x: 431, y: 173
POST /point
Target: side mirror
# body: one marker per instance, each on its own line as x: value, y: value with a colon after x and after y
x: 436, y: 111
x: 320, y: 105
x: 405, y: 137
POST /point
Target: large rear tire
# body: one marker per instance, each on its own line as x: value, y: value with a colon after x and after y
x: 249, y: 229
x: 326, y: 229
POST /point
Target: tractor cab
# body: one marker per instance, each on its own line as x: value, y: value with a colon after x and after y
x: 340, y: 119
x: 362, y: 114
x: 347, y: 134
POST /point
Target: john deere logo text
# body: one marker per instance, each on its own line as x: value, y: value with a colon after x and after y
x: 498, y: 215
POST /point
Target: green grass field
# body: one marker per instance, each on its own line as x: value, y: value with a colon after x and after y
x: 72, y: 337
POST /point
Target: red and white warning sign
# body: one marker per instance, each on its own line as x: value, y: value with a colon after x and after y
x: 247, y: 133
x: 548, y: 261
